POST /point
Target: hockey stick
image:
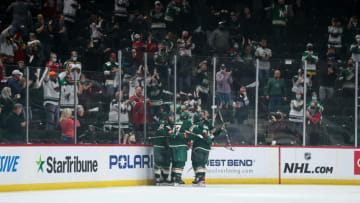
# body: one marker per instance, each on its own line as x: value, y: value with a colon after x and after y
x: 197, y: 135
x: 226, y: 132
x: 157, y: 137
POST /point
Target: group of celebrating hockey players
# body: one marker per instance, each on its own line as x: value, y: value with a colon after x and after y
x: 175, y: 137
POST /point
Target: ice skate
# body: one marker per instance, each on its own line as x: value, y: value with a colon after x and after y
x: 178, y: 181
x: 199, y: 181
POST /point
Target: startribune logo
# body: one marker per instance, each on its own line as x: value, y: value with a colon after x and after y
x: 40, y: 163
x: 68, y: 165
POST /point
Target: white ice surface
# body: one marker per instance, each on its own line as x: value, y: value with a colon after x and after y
x: 187, y: 194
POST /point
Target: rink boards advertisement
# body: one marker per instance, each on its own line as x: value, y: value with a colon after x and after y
x: 75, y: 166
x: 38, y: 167
x: 320, y: 165
x: 242, y: 165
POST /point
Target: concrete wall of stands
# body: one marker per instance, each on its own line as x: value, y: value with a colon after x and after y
x: 43, y: 167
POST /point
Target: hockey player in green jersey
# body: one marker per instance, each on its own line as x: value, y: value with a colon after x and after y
x: 179, y: 147
x: 203, y: 135
x: 162, y: 153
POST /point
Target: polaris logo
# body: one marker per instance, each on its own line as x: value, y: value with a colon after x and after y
x: 304, y: 168
x: 8, y: 163
x: 130, y: 161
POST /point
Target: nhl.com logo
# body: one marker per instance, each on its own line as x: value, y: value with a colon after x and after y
x: 307, y: 156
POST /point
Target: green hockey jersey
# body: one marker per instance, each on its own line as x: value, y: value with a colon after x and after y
x: 178, y: 137
x: 161, y: 137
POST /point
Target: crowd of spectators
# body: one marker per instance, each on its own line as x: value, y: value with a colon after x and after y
x: 71, y: 48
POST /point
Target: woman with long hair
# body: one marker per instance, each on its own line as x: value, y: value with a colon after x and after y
x: 67, y: 126
x: 6, y: 100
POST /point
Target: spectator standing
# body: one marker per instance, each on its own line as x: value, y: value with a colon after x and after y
x: 6, y: 100
x: 69, y: 11
x: 248, y: 54
x: 137, y: 113
x: 7, y: 44
x: 155, y: 94
x: 219, y: 39
x: 353, y: 27
x: 14, y: 84
x: 241, y: 107
x: 67, y: 127
x: 185, y: 47
x: 125, y: 108
x: 111, y: 75
x: 21, y: 16
x: 275, y: 91
x: 185, y: 44
x: 327, y: 83
x: 335, y: 31
x: 298, y: 82
x: 234, y: 26
x: 19, y: 54
x: 158, y: 23
x: 72, y: 63
x: 313, y: 129
x: 248, y: 22
x: 51, y: 100
x: 137, y: 80
x: 34, y: 51
x: 50, y: 8
x: 300, y: 18
x: 263, y: 54
x: 314, y: 98
x: 43, y: 30
x: 67, y: 97
x: 15, y: 125
x: 203, y: 86
x: 296, y: 114
x: 139, y: 48
x: 161, y: 58
x: 347, y: 77
x: 311, y: 58
x: 169, y: 43
x: 223, y: 86
x: 60, y: 35
x: 3, y: 78
x: 173, y: 10
x: 279, y: 19
x: 331, y: 56
x: 355, y: 49
x: 96, y: 23
x: 53, y: 64
x: 121, y: 12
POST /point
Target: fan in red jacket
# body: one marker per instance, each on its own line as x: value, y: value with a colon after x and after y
x: 137, y: 113
x: 313, y: 129
x: 139, y: 48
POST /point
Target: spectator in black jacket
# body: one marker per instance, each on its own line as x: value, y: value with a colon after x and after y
x: 241, y: 106
x: 219, y: 39
x: 15, y: 125
x: 14, y: 83
x: 327, y: 83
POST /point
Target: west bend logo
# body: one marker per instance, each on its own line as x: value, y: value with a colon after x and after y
x: 67, y: 165
x: 8, y: 164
